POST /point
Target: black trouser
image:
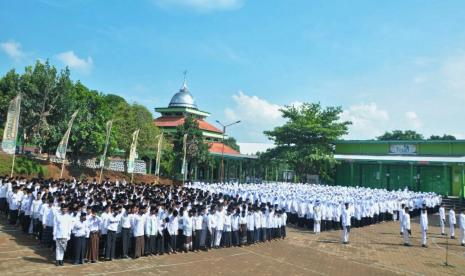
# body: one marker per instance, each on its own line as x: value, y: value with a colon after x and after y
x: 13, y: 216
x: 103, y: 244
x: 173, y: 242
x: 79, y: 248
x: 235, y: 238
x: 160, y: 244
x: 283, y: 231
x: 226, y: 238
x: 110, y: 245
x: 250, y: 236
x: 197, y: 235
x: 26, y: 222
x: 125, y: 241
x: 147, y: 245
x: 263, y: 235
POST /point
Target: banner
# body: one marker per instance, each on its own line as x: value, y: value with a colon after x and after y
x: 11, y: 127
x: 107, y: 140
x: 184, y: 148
x: 63, y: 146
x: 159, y: 147
x: 132, y: 152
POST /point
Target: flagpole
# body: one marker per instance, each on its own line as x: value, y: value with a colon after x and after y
x: 107, y: 140
x: 62, y: 168
x: 13, y: 164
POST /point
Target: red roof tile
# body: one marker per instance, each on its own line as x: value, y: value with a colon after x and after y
x: 176, y: 121
x: 217, y: 147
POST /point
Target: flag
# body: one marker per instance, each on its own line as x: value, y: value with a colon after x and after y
x: 132, y: 152
x: 159, y: 147
x: 62, y: 147
x: 184, y: 148
x: 11, y: 126
x: 107, y: 140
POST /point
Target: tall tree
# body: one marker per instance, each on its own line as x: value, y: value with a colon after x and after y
x: 197, y: 150
x: 9, y: 88
x: 44, y: 91
x: 231, y: 142
x: 396, y: 135
x: 306, y: 140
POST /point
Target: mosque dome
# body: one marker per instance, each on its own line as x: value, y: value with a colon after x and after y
x: 183, y: 98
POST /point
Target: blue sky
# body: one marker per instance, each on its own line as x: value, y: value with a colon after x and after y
x: 389, y: 64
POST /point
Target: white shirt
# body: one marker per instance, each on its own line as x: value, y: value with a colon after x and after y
x: 462, y: 221
x: 406, y: 221
x: 62, y: 226
x: 151, y: 225
x: 112, y: 222
x: 442, y: 213
x: 80, y: 229
x: 138, y: 225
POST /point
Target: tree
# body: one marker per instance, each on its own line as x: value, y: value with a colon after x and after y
x: 396, y: 135
x: 128, y: 118
x: 306, y: 140
x: 197, y: 154
x: 443, y: 137
x: 9, y: 88
x: 231, y: 142
x: 44, y: 91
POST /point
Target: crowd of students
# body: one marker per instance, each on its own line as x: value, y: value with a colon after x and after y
x: 86, y: 221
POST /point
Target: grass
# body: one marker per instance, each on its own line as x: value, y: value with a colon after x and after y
x: 23, y: 166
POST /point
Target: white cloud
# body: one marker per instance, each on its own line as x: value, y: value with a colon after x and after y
x: 12, y: 49
x: 368, y: 120
x: 253, y: 148
x: 256, y: 114
x: 71, y: 60
x: 413, y: 120
x: 201, y: 5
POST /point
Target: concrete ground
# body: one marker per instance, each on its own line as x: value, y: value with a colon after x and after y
x: 374, y: 250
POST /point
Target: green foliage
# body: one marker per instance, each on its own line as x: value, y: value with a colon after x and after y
x: 400, y: 135
x: 23, y: 166
x: 443, y: 137
x: 50, y: 97
x: 306, y: 140
x: 231, y: 141
x: 197, y: 150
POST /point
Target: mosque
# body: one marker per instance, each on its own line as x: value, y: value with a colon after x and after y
x: 182, y: 104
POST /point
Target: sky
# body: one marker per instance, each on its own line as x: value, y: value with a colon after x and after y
x: 388, y: 64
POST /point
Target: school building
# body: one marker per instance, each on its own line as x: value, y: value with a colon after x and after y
x: 425, y: 165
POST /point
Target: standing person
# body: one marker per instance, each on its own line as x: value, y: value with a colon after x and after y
x: 283, y: 224
x: 235, y: 227
x: 227, y: 229
x: 452, y: 222
x: 250, y: 227
x: 48, y: 217
x: 113, y: 220
x: 317, y: 219
x: 138, y: 225
x: 151, y: 232
x: 243, y: 228
x: 62, y: 227
x: 424, y: 227
x: 80, y: 231
x: 36, y: 205
x: 94, y: 223
x: 346, y: 216
x: 212, y: 228
x: 462, y: 227
x: 219, y: 226
x: 188, y: 227
x: 442, y: 218
x: 125, y: 222
x: 406, y: 227
x: 173, y: 231
x: 401, y: 217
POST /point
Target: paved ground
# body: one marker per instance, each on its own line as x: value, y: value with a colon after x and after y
x: 375, y: 250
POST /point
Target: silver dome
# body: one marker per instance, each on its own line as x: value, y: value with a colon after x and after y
x: 183, y: 98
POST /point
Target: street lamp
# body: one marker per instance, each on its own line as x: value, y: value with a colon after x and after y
x: 222, y: 149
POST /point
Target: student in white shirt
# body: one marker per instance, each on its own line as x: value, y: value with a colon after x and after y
x: 250, y: 227
x: 452, y: 222
x: 151, y: 232
x: 424, y: 227
x: 188, y: 227
x: 173, y: 231
x: 125, y: 224
x: 346, y: 222
x: 406, y: 227
x: 138, y: 226
x: 63, y: 224
x: 212, y: 224
x: 227, y: 229
x: 462, y: 227
x: 80, y: 232
x: 442, y: 219
x: 112, y: 221
x: 235, y: 227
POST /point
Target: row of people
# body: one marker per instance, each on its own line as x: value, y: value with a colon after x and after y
x: 87, y: 220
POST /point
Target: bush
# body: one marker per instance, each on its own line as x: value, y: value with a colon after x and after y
x: 23, y: 166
